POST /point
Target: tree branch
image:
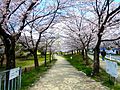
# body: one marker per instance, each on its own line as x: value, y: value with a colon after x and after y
x: 110, y: 39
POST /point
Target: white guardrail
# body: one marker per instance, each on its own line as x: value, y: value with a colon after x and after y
x: 10, y: 79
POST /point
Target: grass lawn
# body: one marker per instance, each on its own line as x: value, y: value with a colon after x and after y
x: 102, y: 77
x: 26, y: 62
x: 29, y: 61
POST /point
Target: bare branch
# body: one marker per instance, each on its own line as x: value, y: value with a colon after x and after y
x: 110, y: 39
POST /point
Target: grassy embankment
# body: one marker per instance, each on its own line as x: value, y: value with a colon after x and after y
x: 102, y: 77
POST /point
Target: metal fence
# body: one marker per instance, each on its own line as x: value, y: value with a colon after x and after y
x: 10, y: 79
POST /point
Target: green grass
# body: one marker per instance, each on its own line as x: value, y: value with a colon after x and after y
x: 102, y: 77
x: 31, y: 77
x: 116, y: 54
x: 29, y: 61
x: 78, y: 63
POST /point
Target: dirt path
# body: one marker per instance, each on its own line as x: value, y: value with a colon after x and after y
x: 63, y: 76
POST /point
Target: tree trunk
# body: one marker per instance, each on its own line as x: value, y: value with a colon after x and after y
x: 77, y: 51
x: 9, y: 52
x: 83, y: 55
x: 97, y: 51
x: 96, y: 61
x: 45, y: 59
x: 2, y: 59
x: 72, y: 52
x: 50, y: 54
x: 86, y: 57
x: 10, y: 55
x: 36, y: 63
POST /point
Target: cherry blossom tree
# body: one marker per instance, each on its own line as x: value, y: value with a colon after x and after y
x: 15, y: 16
x: 107, y: 16
x: 80, y: 31
x: 104, y: 17
x: 35, y: 30
x: 49, y: 38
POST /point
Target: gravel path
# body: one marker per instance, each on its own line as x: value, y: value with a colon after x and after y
x: 63, y: 76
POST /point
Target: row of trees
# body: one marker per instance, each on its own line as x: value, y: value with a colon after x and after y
x: 20, y: 17
x: 90, y: 23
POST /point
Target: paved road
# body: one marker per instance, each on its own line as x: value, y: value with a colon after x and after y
x: 114, y: 57
x: 63, y: 76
